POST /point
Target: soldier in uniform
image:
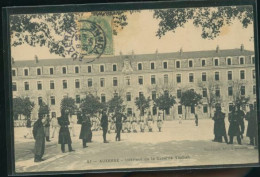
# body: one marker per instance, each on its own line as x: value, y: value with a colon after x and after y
x: 85, y: 131
x: 54, y: 125
x: 109, y: 128
x: 128, y: 124
x: 104, y: 125
x: 241, y: 116
x: 150, y: 122
x: 29, y: 128
x: 47, y: 125
x: 119, y: 118
x: 39, y: 136
x: 134, y: 123
x: 64, y: 133
x: 159, y: 122
x: 142, y: 124
x: 219, y: 125
x: 234, y: 126
x: 251, y: 117
x: 196, y: 119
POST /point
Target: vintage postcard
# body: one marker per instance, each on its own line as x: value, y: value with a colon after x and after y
x: 133, y: 89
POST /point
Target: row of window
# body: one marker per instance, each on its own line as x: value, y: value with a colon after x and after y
x: 139, y: 66
x: 140, y: 80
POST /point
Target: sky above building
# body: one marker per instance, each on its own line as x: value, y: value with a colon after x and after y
x: 140, y: 36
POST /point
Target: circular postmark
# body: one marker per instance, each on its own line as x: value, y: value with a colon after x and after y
x: 88, y: 40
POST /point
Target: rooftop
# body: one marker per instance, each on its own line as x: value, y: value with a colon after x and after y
x: 137, y: 57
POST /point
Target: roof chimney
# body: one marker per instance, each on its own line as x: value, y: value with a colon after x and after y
x: 242, y: 47
x: 217, y: 49
x: 133, y: 53
x: 36, y: 59
x: 12, y: 60
x: 181, y: 51
x: 156, y: 53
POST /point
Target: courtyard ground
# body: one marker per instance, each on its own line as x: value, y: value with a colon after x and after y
x: 177, y: 145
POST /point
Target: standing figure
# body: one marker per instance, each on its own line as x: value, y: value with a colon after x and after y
x: 251, y: 117
x: 71, y: 126
x: 109, y: 124
x: 219, y: 125
x: 150, y: 122
x: 234, y: 126
x: 54, y: 125
x: 85, y: 131
x: 196, y: 119
x: 241, y: 116
x: 159, y: 122
x: 119, y: 119
x: 47, y: 125
x: 29, y: 128
x: 64, y: 133
x: 104, y: 125
x: 39, y: 136
x: 134, y: 123
x: 128, y: 124
x: 142, y: 124
x: 180, y: 118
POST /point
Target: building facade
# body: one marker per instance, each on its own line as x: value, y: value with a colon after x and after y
x: 49, y: 80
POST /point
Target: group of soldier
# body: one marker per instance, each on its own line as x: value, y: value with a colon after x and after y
x: 121, y: 123
x: 236, y: 128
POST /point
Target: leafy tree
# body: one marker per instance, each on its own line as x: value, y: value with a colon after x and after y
x: 209, y: 19
x: 116, y: 105
x: 211, y: 85
x: 190, y: 98
x: 91, y: 105
x: 44, y: 109
x: 68, y: 103
x: 17, y: 107
x: 142, y: 103
x: 164, y: 102
x: 22, y: 106
x: 238, y: 98
x: 28, y: 106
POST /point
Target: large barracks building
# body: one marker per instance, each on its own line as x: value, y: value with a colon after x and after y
x: 49, y: 80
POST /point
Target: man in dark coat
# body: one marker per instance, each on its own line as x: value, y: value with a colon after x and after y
x: 234, y: 126
x: 219, y: 126
x: 104, y: 125
x: 118, y: 119
x: 251, y: 117
x: 85, y: 131
x: 39, y: 136
x: 241, y: 116
x: 64, y: 134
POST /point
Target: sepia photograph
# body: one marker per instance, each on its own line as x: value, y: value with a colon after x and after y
x: 133, y: 89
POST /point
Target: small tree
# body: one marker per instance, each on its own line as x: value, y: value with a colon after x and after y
x: 69, y: 104
x: 18, y: 107
x: 91, y: 105
x: 164, y: 102
x: 44, y: 109
x: 116, y: 104
x: 142, y: 103
x: 211, y: 85
x: 190, y: 98
x: 238, y: 98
